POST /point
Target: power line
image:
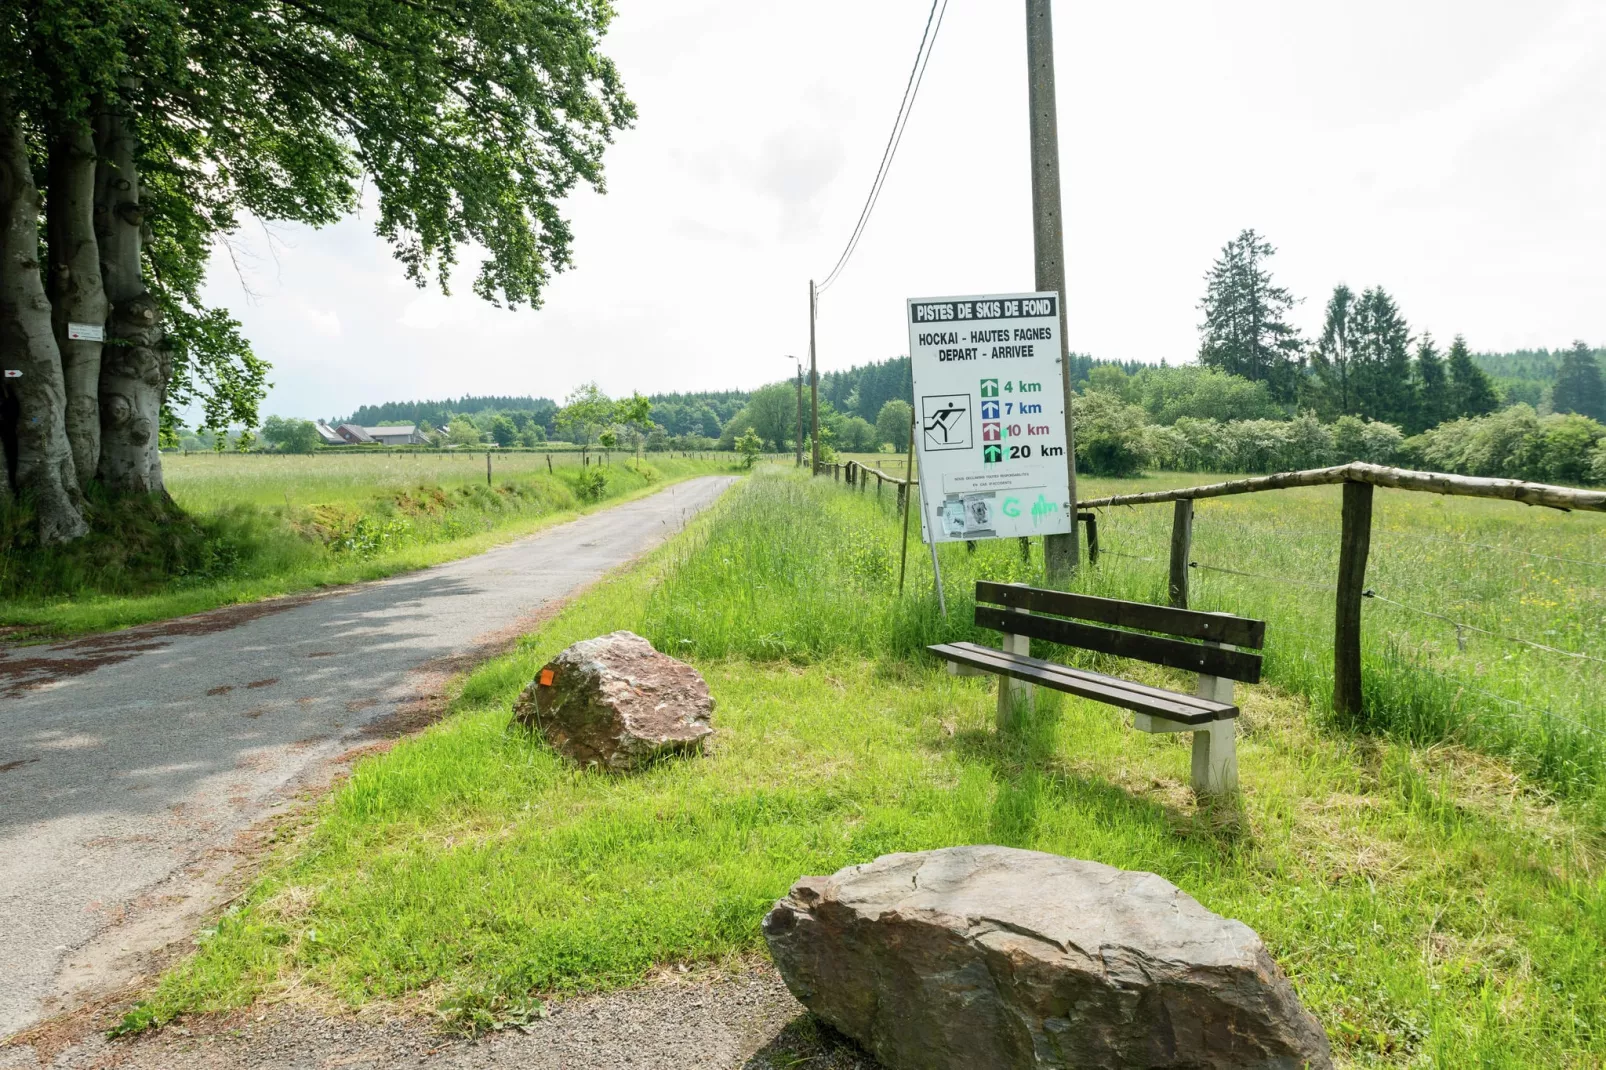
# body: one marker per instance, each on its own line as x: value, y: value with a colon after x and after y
x: 917, y: 74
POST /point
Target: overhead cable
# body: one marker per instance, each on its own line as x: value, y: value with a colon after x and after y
x: 917, y: 74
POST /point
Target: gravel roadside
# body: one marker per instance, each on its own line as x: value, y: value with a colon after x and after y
x: 744, y: 1019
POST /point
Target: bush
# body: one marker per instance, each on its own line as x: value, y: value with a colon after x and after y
x: 1172, y: 394
x: 1516, y: 443
x: 1111, y: 435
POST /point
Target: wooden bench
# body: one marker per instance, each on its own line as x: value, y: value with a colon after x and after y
x: 1029, y: 613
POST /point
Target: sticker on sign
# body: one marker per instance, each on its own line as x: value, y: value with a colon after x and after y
x: 86, y: 332
x: 13, y: 373
x: 992, y: 416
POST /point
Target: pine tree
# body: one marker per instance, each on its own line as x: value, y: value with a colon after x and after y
x: 1246, y: 331
x: 1578, y: 384
x: 1381, y: 359
x: 1432, y: 387
x: 1471, y: 392
x: 1331, y: 360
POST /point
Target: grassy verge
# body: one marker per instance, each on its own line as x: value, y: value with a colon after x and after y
x: 1432, y: 906
x: 152, y: 560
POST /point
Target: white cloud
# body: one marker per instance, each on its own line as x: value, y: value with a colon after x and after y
x: 1451, y: 150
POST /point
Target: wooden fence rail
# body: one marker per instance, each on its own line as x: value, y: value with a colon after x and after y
x: 1355, y: 538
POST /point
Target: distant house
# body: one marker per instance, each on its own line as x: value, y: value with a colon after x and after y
x: 353, y: 435
x: 400, y: 435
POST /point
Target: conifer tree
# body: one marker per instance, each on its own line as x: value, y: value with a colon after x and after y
x: 1331, y: 360
x: 1246, y: 331
x: 1432, y: 385
x: 1578, y: 384
x: 1382, y: 359
x: 1471, y: 392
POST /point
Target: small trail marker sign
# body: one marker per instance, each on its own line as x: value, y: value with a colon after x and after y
x: 86, y: 332
x: 992, y: 417
x: 13, y: 373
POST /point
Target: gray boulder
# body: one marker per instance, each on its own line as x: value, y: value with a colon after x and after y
x: 616, y: 702
x: 993, y: 957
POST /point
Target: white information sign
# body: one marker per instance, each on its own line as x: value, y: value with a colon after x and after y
x: 86, y: 332
x: 990, y: 416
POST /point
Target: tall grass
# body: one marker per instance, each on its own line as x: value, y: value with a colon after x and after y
x: 802, y: 569
x: 282, y: 524
x: 1431, y: 912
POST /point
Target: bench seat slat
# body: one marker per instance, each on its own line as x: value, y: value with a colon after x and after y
x: 1168, y: 705
x: 1187, y: 623
x: 1174, y: 653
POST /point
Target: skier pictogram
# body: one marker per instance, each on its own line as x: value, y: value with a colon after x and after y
x: 945, y: 419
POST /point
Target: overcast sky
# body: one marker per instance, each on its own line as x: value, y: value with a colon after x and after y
x: 1452, y: 151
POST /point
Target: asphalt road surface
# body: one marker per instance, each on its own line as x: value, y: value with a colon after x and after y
x: 132, y: 764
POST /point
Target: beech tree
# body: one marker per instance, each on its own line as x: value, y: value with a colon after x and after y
x: 142, y: 132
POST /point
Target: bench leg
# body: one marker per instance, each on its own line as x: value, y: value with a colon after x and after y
x: 1015, y: 696
x: 1215, y: 758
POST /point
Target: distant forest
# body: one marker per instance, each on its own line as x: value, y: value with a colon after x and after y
x: 1521, y: 377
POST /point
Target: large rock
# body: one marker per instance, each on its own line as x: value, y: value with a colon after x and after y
x: 992, y: 957
x: 614, y: 701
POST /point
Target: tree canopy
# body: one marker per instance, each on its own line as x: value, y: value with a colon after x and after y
x: 163, y: 125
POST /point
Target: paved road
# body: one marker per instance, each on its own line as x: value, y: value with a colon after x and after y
x: 131, y: 764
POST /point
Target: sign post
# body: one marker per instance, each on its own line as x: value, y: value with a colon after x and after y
x: 990, y: 417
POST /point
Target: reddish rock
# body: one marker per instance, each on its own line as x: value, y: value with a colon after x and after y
x: 616, y: 702
x: 993, y: 957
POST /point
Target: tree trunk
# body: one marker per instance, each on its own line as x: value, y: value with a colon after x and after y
x: 134, y: 365
x: 76, y: 294
x: 40, y: 455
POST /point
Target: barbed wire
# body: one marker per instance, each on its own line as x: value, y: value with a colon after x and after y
x: 1463, y: 685
x: 1460, y: 625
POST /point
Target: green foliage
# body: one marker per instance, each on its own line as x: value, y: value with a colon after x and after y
x: 771, y: 413
x: 249, y: 526
x: 1471, y: 392
x: 463, y: 432
x: 1169, y: 394
x: 586, y: 412
x: 1246, y: 330
x: 473, y: 868
x: 1431, y: 387
x: 291, y: 436
x: 864, y: 389
x: 1361, y: 365
x: 503, y: 430
x: 892, y: 424
x: 1109, y: 434
x: 1515, y: 443
x: 1578, y: 384
x: 749, y: 446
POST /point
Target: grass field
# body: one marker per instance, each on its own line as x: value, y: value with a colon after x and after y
x: 243, y: 527
x: 1434, y: 906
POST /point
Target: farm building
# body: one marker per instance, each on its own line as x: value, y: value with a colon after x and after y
x: 352, y: 434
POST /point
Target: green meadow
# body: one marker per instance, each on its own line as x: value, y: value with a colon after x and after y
x: 1431, y: 876
x: 242, y: 527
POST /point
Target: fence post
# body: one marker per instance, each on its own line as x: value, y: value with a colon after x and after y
x: 1181, y: 547
x: 1354, y: 545
x: 1092, y: 522
x: 487, y: 468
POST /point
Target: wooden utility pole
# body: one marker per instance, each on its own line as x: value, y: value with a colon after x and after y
x: 1354, y: 545
x: 814, y: 385
x: 1048, y: 240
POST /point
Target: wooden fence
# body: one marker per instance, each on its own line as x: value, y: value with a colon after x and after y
x: 1355, y: 539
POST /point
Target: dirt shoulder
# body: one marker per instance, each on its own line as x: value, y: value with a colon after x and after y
x: 743, y: 1018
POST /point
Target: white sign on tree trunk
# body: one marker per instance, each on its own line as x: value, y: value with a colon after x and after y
x: 86, y: 332
x: 991, y: 416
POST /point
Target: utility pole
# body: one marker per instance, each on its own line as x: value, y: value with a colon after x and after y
x: 1048, y: 240
x: 799, y: 414
x: 814, y: 386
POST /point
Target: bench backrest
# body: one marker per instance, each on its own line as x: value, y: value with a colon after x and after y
x: 1044, y: 619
